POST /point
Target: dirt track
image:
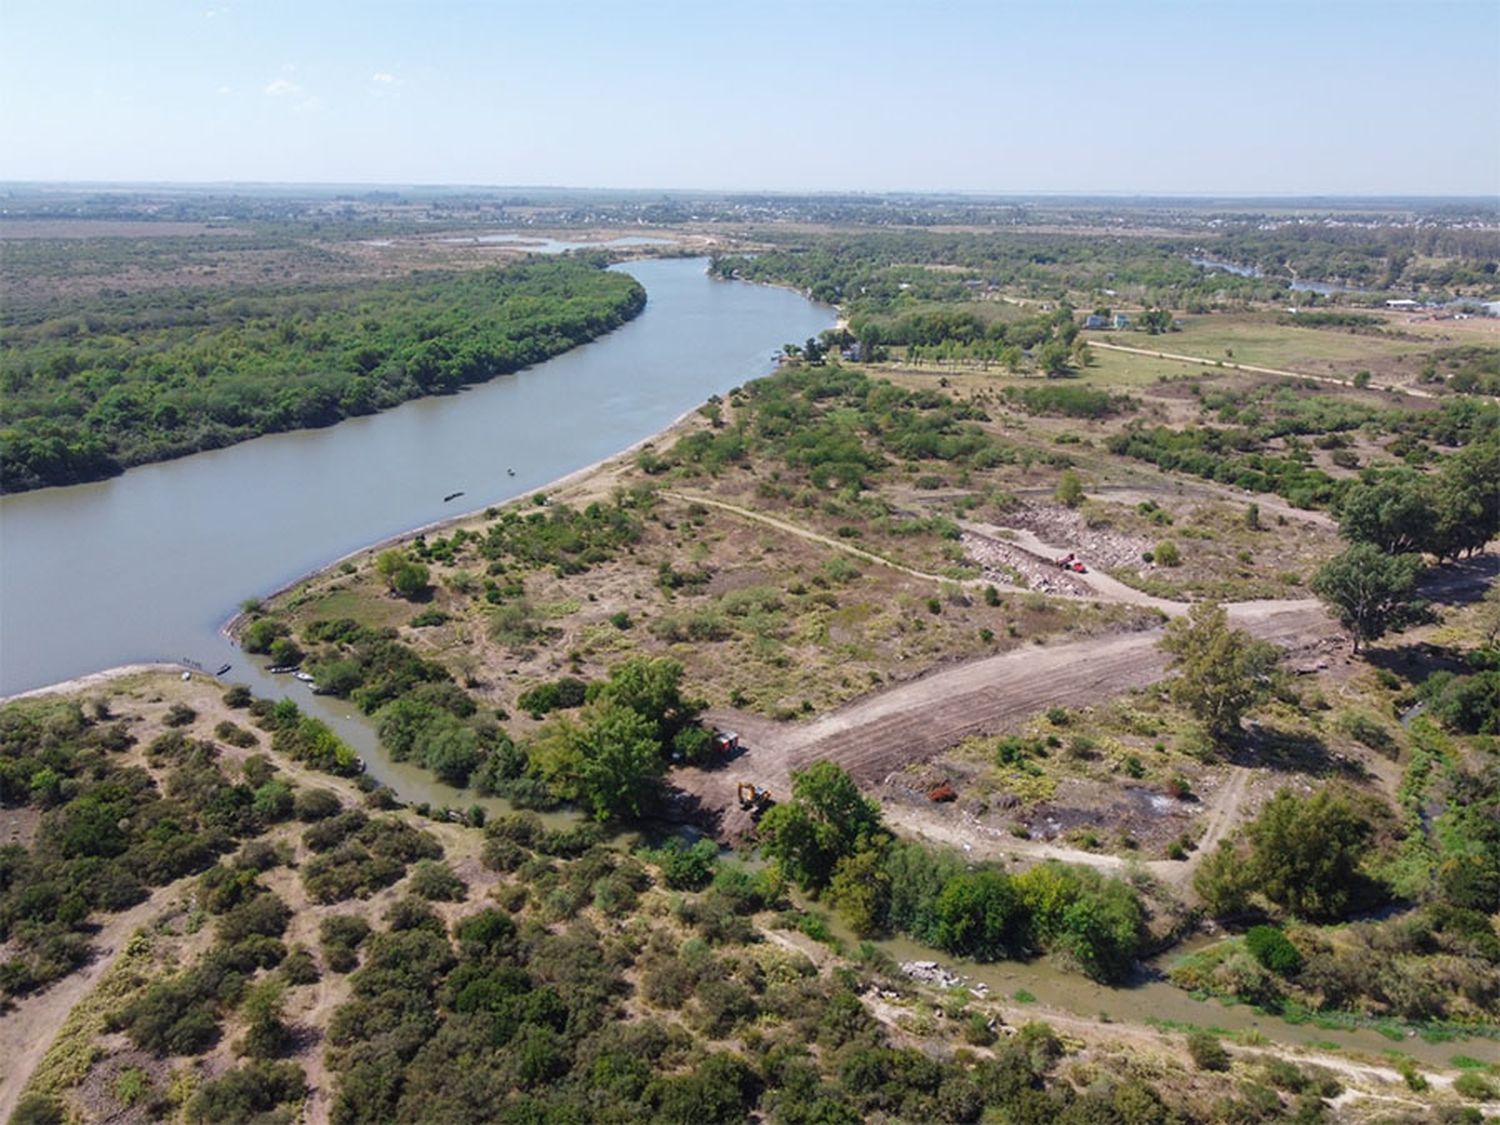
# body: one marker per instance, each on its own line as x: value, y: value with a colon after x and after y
x: 28, y: 1031
x: 917, y: 720
x: 1415, y: 392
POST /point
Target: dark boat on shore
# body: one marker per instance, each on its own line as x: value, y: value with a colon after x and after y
x: 452, y: 496
x: 222, y: 669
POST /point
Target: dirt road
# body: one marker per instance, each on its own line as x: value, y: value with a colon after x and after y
x: 824, y: 540
x: 28, y: 1031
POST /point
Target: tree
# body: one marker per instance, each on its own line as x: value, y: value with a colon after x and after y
x: 1155, y: 321
x: 1222, y: 672
x: 1305, y: 852
x: 1221, y: 881
x: 860, y: 890
x: 652, y: 688
x: 1489, y: 616
x: 1369, y: 591
x: 1466, y: 501
x: 614, y: 760
x: 1395, y: 513
x: 403, y: 576
x: 1069, y: 489
x: 1054, y: 357
x: 826, y: 820
x: 980, y: 915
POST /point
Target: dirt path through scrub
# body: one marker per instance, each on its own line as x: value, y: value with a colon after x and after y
x: 28, y: 1031
x: 824, y: 540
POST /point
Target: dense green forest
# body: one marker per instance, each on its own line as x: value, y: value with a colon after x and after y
x: 130, y: 379
x: 887, y: 271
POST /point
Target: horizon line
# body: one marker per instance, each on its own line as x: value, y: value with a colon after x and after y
x: 874, y: 193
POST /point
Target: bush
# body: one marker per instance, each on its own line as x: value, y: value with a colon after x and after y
x: 1473, y: 1086
x: 436, y: 881
x: 1208, y: 1053
x: 1167, y: 554
x: 1271, y: 948
x: 248, y: 1092
x: 179, y: 715
x: 315, y: 804
x: 686, y: 867
x: 38, y: 1109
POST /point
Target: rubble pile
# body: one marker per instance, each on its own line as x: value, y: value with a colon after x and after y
x: 1002, y: 562
x: 930, y: 972
x: 1101, y: 547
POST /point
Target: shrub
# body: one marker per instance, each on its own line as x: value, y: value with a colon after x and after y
x: 248, y: 1092
x: 1069, y: 489
x: 315, y: 804
x: 179, y: 715
x: 1207, y: 1052
x: 436, y: 881
x: 1272, y: 949
x: 1167, y: 554
x: 1473, y: 1086
x: 686, y: 867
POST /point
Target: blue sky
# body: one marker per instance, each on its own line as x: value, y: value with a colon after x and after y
x: 1218, y: 96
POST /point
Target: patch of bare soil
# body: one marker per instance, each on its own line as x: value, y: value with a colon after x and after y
x: 918, y: 720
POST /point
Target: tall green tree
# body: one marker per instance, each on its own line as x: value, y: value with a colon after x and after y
x: 826, y: 820
x: 610, y: 763
x: 1395, y: 513
x: 1305, y: 852
x: 1369, y: 591
x: 1221, y: 672
x: 652, y: 688
x: 1467, y: 501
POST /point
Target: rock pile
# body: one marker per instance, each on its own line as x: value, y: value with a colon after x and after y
x: 1003, y: 562
x: 930, y: 972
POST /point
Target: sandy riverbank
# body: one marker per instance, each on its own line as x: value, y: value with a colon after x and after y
x: 95, y: 679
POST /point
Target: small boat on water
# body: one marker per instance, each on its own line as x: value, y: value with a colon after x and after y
x: 452, y: 496
x: 281, y: 669
x: 305, y: 677
x: 222, y: 669
x: 510, y: 472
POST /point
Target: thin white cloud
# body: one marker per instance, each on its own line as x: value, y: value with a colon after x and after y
x: 215, y: 13
x: 224, y: 90
x: 283, y: 88
x: 383, y: 77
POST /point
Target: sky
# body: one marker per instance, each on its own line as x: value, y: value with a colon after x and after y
x: 1238, y: 97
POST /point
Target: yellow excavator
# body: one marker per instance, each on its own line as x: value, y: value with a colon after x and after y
x: 753, y: 799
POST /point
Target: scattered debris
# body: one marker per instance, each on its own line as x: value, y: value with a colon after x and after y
x: 930, y: 972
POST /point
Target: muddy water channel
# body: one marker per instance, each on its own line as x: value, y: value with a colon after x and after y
x: 1152, y: 998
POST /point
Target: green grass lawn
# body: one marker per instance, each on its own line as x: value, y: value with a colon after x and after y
x: 1261, y: 342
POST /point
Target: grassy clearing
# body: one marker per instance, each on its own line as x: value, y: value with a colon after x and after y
x: 1256, y: 339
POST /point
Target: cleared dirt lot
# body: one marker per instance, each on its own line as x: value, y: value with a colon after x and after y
x: 917, y: 720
